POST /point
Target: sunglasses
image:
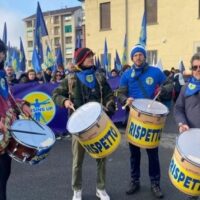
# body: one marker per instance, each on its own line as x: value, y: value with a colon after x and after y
x: 58, y: 75
x: 195, y: 67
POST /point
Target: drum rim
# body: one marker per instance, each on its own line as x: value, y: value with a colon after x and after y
x: 30, y: 146
x: 182, y: 154
x: 93, y: 124
x: 151, y: 114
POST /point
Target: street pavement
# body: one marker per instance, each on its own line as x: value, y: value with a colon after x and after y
x: 51, y: 179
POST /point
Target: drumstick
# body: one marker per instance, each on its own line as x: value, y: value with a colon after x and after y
x: 149, y: 105
x: 28, y: 132
x: 72, y: 107
x: 22, y: 111
x: 124, y: 107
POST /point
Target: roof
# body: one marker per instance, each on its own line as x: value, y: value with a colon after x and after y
x: 56, y: 12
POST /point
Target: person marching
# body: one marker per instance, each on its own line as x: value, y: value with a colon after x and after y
x: 141, y: 81
x: 82, y: 86
x: 187, y: 107
x: 8, y: 113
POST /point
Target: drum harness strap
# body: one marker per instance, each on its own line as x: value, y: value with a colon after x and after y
x: 140, y: 82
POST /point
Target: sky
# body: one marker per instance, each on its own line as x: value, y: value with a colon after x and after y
x: 14, y: 11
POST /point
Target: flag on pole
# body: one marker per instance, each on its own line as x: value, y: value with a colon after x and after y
x: 36, y: 61
x: 118, y: 65
x: 15, y: 60
x: 124, y: 57
x: 22, y: 58
x: 143, y: 32
x: 59, y: 57
x: 49, y: 59
x: 40, y: 31
x: 4, y: 38
x: 105, y: 57
x: 78, y: 41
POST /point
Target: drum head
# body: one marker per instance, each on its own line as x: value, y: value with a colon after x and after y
x: 32, y: 140
x: 150, y: 107
x: 84, y: 117
x: 189, y: 145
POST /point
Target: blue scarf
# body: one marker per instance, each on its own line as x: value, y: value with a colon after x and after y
x: 87, y: 77
x: 193, y: 87
x: 137, y: 71
x: 3, y: 85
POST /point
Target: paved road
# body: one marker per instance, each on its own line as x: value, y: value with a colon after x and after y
x: 51, y: 179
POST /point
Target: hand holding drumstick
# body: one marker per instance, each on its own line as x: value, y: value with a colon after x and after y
x: 129, y: 102
x: 68, y: 104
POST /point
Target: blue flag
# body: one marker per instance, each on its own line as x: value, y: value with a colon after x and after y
x: 36, y: 62
x: 143, y: 32
x: 78, y: 41
x: 105, y: 58
x: 118, y: 65
x: 4, y: 38
x: 49, y: 59
x: 124, y: 57
x: 59, y: 57
x: 15, y: 60
x: 40, y: 31
x: 22, y: 58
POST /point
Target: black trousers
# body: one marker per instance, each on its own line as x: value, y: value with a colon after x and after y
x: 5, y: 169
x: 154, y: 166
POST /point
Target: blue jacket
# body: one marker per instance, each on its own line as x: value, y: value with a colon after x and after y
x: 150, y: 77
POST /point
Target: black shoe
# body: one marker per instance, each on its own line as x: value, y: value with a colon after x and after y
x: 157, y: 191
x: 134, y: 187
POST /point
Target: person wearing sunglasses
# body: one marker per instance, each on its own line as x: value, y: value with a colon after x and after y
x: 57, y: 77
x: 187, y: 107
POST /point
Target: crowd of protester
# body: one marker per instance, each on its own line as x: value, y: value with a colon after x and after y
x: 175, y: 78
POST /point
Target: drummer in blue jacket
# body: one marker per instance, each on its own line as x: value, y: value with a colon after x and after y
x: 141, y: 81
x: 187, y: 107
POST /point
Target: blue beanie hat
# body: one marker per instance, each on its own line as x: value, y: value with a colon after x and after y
x: 138, y: 48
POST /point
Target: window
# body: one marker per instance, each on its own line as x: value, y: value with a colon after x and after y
x: 56, y: 20
x: 198, y: 49
x: 68, y: 40
x: 151, y: 11
x: 68, y: 51
x: 56, y: 41
x: 30, y: 34
x: 152, y: 57
x: 30, y: 44
x: 105, y: 21
x: 68, y: 18
x: 29, y: 24
x: 68, y: 29
x: 56, y: 30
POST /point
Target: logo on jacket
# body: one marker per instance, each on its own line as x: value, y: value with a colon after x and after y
x: 42, y: 106
x: 149, y: 80
x: 191, y: 86
x: 89, y: 78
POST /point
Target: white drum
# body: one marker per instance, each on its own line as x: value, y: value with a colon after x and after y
x: 94, y: 130
x: 29, y: 147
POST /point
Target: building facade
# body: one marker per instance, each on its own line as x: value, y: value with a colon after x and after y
x: 63, y: 27
x: 173, y: 28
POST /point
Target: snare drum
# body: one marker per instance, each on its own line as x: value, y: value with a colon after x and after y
x: 94, y: 130
x: 146, y: 122
x: 27, y: 147
x: 184, y: 169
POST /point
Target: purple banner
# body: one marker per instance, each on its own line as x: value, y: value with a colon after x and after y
x: 46, y: 112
